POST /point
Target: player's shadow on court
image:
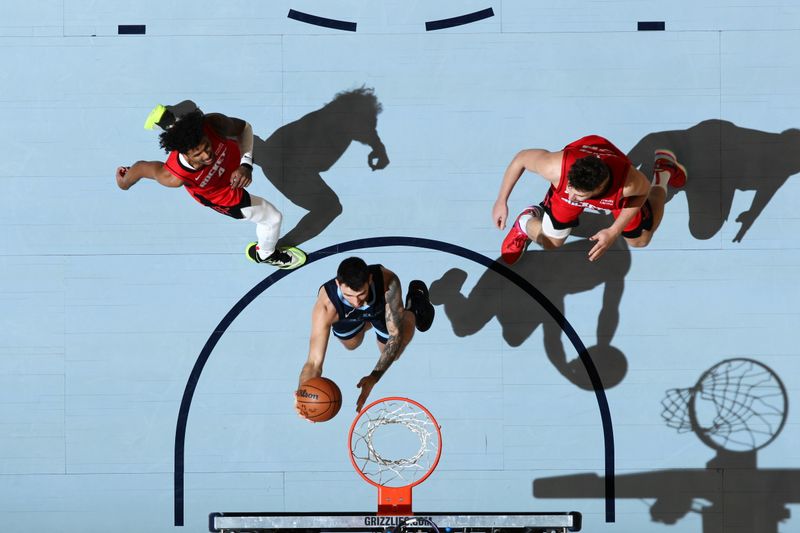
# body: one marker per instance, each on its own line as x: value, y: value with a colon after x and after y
x: 557, y: 274
x: 293, y: 157
x: 721, y: 158
x: 731, y: 493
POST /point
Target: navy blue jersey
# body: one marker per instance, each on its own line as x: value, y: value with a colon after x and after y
x: 351, y: 320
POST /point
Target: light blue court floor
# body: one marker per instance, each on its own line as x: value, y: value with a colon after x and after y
x: 108, y: 297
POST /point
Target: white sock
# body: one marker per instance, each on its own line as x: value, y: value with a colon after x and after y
x: 523, y: 220
x: 262, y: 254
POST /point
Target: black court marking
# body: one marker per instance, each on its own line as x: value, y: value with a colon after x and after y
x: 322, y: 21
x: 130, y: 29
x: 469, y: 18
x: 376, y: 242
x: 651, y: 26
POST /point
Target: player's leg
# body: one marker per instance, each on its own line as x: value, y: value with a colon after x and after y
x: 640, y: 229
x: 417, y: 315
x: 666, y: 172
x: 165, y: 116
x: 352, y: 337
x: 548, y: 233
x: 160, y: 117
x: 533, y: 224
x: 268, y: 226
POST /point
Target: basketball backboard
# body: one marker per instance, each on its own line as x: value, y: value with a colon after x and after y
x: 372, y: 522
x: 394, y: 464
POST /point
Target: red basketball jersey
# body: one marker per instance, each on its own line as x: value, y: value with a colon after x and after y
x: 618, y: 163
x: 211, y: 183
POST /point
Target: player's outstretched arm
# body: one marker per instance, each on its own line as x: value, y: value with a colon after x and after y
x: 127, y: 177
x: 394, y: 344
x: 546, y: 164
x: 322, y: 317
x: 394, y: 323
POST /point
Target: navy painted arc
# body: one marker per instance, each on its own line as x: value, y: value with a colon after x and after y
x: 377, y: 242
x: 321, y: 21
x: 461, y: 20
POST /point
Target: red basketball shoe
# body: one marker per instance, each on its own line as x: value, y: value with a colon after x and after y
x: 517, y: 240
x: 667, y: 162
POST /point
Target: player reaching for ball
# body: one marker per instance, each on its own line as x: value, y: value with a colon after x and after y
x: 361, y: 297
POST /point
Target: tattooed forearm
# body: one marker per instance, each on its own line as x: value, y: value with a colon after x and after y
x: 390, y: 352
x: 394, y: 323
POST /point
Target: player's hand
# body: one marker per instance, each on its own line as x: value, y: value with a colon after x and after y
x: 120, y: 175
x: 377, y: 159
x: 746, y: 218
x: 241, y: 177
x: 297, y: 408
x: 500, y: 214
x: 603, y: 239
x: 366, y: 384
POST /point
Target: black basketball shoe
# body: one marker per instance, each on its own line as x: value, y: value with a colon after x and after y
x: 283, y: 258
x: 418, y: 301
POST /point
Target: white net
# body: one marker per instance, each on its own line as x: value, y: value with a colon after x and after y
x: 395, y: 443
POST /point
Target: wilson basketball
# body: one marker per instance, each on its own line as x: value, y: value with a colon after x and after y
x: 319, y: 399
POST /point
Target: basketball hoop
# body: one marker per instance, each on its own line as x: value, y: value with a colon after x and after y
x: 395, y: 444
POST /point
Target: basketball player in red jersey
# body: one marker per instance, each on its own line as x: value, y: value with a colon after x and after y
x: 211, y: 156
x: 590, y: 172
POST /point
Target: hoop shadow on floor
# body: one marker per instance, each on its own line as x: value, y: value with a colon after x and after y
x: 721, y: 158
x: 737, y: 407
x: 557, y: 274
x: 293, y: 157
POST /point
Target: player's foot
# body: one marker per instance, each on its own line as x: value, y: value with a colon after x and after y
x: 418, y: 301
x: 284, y: 258
x: 160, y: 116
x: 517, y: 239
x: 667, y: 162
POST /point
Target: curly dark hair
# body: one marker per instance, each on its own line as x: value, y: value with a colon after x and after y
x: 353, y: 272
x: 185, y: 134
x: 588, y: 173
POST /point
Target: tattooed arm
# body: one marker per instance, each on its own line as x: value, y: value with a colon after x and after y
x: 394, y: 323
x: 394, y: 345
